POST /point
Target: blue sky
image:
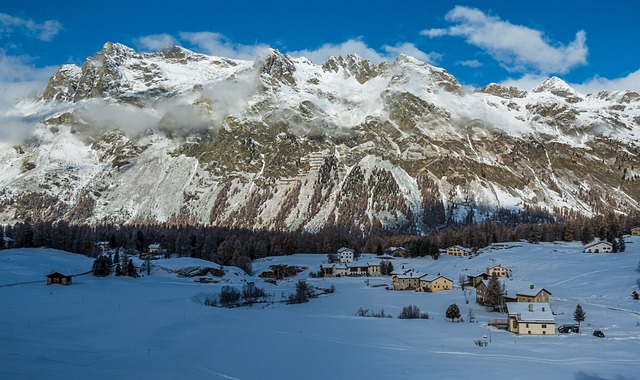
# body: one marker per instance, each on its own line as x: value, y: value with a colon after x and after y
x: 591, y: 44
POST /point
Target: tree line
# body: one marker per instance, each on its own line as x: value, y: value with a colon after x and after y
x: 229, y: 246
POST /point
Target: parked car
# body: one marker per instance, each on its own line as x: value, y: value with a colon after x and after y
x: 565, y: 329
x: 598, y: 333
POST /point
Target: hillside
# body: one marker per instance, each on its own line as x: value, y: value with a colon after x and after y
x: 282, y: 143
x: 158, y: 326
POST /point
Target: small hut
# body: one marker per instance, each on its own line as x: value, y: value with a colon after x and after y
x: 58, y: 278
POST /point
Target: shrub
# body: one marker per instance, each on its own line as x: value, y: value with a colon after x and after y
x: 229, y: 296
x: 302, y: 294
x: 250, y: 292
x: 410, y: 312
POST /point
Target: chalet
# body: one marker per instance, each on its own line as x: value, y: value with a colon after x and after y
x: 58, y: 278
x: 346, y: 255
x: 477, y: 279
x: 328, y: 270
x: 482, y: 291
x: 600, y: 247
x: 374, y: 269
x: 635, y: 231
x: 397, y: 252
x: 434, y: 283
x: 533, y: 295
x: 156, y: 249
x: 635, y: 295
x: 457, y: 250
x: 499, y: 270
x: 409, y: 280
x: 533, y: 318
x: 357, y: 268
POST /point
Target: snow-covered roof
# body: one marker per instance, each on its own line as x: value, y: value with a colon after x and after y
x: 433, y: 277
x: 7, y: 239
x: 345, y: 249
x: 530, y: 311
x: 460, y: 247
x: 598, y: 243
x: 154, y: 246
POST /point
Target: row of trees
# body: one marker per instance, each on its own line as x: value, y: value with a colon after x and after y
x: 238, y: 247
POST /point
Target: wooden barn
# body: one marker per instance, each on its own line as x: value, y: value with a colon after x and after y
x: 58, y: 278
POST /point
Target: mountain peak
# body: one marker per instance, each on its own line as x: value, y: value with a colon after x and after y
x: 558, y: 87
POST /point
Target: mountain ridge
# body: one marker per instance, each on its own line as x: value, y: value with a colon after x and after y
x: 283, y: 143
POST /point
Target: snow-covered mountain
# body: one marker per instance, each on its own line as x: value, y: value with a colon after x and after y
x: 283, y: 143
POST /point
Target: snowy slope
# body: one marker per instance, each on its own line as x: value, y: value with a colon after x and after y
x: 157, y: 326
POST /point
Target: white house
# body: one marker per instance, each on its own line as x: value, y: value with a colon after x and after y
x: 533, y: 318
x: 600, y: 247
x: 345, y: 255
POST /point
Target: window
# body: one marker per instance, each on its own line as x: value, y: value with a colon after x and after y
x: 544, y: 326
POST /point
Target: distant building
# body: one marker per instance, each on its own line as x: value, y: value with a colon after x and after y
x: 533, y: 318
x: 438, y: 283
x: 635, y: 231
x: 346, y: 255
x: 477, y: 279
x: 635, y: 295
x: 531, y: 294
x: 397, y: 252
x: 601, y: 247
x: 456, y: 250
x: 499, y: 270
x: 406, y: 280
x: 58, y: 278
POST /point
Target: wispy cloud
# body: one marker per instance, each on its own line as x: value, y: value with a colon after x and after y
x: 518, y: 48
x: 43, y: 31
x: 219, y: 45
x: 358, y: 47
x: 155, y: 42
x: 630, y: 82
x: 470, y: 63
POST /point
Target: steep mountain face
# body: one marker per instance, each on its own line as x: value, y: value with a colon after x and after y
x: 283, y: 143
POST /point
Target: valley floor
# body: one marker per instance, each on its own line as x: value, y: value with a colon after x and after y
x: 158, y: 327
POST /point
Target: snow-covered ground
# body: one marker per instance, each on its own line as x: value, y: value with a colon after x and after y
x: 157, y: 326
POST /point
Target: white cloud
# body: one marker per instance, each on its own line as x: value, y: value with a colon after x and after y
x: 155, y: 42
x: 356, y: 46
x: 410, y: 49
x: 469, y: 63
x: 18, y: 79
x: 630, y: 82
x: 518, y: 48
x: 216, y: 44
x: 44, y: 32
x: 527, y: 82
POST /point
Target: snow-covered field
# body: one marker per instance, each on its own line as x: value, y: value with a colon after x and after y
x: 157, y: 326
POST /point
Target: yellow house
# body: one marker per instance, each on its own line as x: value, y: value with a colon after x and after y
x: 533, y: 318
x: 533, y: 295
x: 635, y: 231
x: 456, y: 250
x: 434, y: 284
x: 499, y: 270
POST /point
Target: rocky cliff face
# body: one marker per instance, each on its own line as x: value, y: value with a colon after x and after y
x: 282, y: 143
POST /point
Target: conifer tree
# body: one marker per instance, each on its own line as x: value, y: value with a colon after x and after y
x: 453, y: 312
x: 579, y: 314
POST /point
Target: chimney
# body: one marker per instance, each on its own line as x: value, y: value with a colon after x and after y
x: 531, y: 307
x: 531, y: 286
x: 519, y: 316
x: 543, y: 308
